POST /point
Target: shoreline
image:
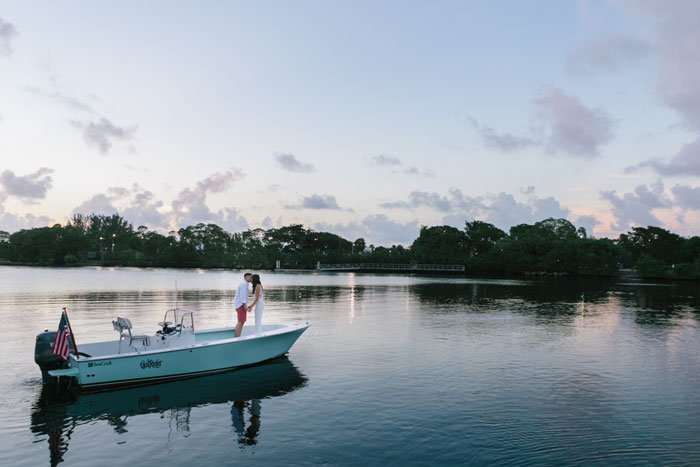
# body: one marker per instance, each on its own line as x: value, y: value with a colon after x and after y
x: 622, y: 274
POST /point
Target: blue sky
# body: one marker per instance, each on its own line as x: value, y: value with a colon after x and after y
x: 367, y: 119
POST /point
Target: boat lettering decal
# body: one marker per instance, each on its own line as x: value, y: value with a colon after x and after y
x: 104, y: 363
x: 151, y: 363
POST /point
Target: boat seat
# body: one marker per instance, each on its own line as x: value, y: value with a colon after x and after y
x: 123, y: 326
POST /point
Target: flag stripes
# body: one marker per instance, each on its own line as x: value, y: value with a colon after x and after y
x: 60, y: 342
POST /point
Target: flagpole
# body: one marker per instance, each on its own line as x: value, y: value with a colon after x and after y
x: 72, y: 336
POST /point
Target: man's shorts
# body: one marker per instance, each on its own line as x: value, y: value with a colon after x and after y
x: 241, y: 313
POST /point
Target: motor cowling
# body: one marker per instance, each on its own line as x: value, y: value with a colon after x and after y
x: 43, y: 356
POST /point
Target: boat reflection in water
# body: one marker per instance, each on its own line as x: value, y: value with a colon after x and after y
x: 57, y: 410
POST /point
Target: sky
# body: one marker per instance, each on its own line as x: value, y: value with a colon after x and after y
x: 364, y: 118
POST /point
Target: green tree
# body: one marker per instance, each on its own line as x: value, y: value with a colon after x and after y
x: 36, y: 245
x: 651, y: 268
x: 482, y: 236
x: 4, y: 245
x: 653, y: 242
x: 440, y: 245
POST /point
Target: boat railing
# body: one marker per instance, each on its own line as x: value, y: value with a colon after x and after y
x: 174, y: 312
x: 191, y: 321
x: 174, y: 324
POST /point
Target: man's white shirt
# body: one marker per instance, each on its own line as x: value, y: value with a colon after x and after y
x: 241, y: 296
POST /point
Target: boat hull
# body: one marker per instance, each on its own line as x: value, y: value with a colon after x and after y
x: 202, y: 358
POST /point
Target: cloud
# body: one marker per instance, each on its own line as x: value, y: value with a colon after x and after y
x: 376, y: 229
x: 635, y: 209
x: 677, y: 33
x: 675, y: 37
x: 219, y: 182
x: 543, y: 208
x: 573, y: 129
x: 139, y: 206
x: 144, y: 210
x: 27, y: 187
x: 7, y: 34
x: 587, y: 222
x: 319, y: 202
x: 12, y: 222
x: 292, y: 164
x: 316, y: 201
x: 608, y: 53
x: 569, y: 128
x: 100, y: 133
x: 190, y: 208
x: 413, y: 170
x: 504, y: 211
x: 118, y: 192
x: 231, y: 220
x: 394, y: 162
x: 103, y: 133
x: 64, y: 99
x: 417, y: 199
x: 97, y: 204
x: 505, y: 142
x: 686, y: 197
x: 501, y: 209
x: 686, y: 162
x: 136, y: 205
x: 60, y: 94
x: 386, y: 161
x: 455, y: 201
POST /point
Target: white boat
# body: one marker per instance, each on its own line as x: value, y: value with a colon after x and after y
x: 175, y: 351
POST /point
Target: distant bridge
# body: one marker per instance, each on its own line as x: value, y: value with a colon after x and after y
x: 382, y: 267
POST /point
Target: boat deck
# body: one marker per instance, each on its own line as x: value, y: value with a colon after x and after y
x: 207, y: 336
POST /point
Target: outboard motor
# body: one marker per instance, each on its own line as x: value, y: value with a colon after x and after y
x: 45, y: 358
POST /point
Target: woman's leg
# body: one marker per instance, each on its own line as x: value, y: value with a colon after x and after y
x: 258, y: 317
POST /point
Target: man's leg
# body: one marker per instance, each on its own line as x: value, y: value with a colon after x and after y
x: 240, y: 315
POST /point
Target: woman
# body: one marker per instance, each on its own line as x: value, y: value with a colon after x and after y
x: 258, y: 303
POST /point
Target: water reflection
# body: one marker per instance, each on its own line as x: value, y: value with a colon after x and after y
x: 57, y: 410
x: 564, y: 299
x: 247, y: 432
x: 477, y: 293
x: 662, y: 304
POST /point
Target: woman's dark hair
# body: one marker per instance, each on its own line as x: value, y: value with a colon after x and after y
x: 256, y: 281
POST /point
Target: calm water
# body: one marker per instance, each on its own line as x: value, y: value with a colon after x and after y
x: 394, y: 370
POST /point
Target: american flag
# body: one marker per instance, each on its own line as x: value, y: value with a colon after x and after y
x: 60, y: 343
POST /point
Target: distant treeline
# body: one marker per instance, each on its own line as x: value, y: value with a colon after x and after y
x: 551, y: 246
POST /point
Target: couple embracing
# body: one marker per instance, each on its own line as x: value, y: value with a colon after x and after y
x: 240, y: 302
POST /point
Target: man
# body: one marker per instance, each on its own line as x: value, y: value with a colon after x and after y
x: 240, y: 302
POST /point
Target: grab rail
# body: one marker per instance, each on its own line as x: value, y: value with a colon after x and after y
x: 182, y: 321
x: 165, y: 318
x: 178, y: 327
